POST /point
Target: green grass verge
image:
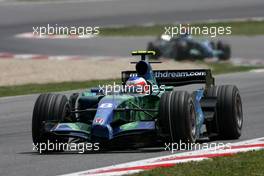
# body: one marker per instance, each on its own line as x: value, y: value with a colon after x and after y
x: 238, y: 28
x: 249, y: 164
x: 51, y: 87
x: 217, y: 68
x: 221, y: 68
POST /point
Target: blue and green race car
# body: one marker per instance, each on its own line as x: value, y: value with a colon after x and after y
x: 131, y: 119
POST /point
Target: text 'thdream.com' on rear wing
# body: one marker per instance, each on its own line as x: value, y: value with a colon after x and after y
x: 177, y: 77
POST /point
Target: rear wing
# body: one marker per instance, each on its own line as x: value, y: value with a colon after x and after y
x: 177, y: 77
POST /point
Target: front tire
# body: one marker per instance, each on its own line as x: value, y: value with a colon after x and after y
x: 177, y: 116
x: 49, y: 107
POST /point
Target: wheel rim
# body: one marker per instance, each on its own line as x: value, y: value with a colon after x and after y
x: 193, y: 121
x: 239, y: 115
x: 66, y: 115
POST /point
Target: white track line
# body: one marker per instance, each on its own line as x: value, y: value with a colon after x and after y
x: 12, y: 56
x: 8, y: 56
x: 47, y: 2
x: 170, y: 160
x: 258, y: 70
x: 30, y: 35
x: 247, y: 61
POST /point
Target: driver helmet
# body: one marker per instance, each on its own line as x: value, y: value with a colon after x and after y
x: 137, y: 85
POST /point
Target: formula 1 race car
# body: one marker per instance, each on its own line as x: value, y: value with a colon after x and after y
x: 132, y: 119
x: 186, y: 47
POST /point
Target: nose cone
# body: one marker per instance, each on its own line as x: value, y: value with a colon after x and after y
x: 101, y: 129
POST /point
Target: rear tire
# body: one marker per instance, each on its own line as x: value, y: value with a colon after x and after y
x: 151, y: 47
x: 177, y: 116
x: 181, y: 51
x: 49, y: 107
x: 226, y: 49
x: 229, y: 113
x: 213, y: 45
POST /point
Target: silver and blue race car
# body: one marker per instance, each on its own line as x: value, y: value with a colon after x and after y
x: 188, y: 47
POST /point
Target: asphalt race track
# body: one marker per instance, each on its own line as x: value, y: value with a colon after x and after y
x: 126, y: 12
x: 242, y: 46
x: 17, y: 157
x: 16, y: 18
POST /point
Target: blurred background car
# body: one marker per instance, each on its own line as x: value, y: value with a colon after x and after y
x: 187, y: 47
